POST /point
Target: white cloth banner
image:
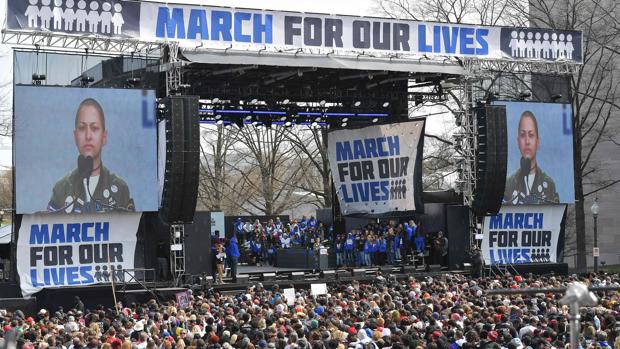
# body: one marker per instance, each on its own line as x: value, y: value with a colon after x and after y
x: 523, y: 234
x: 373, y: 168
x: 75, y: 250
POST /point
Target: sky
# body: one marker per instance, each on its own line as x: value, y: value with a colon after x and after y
x: 437, y: 125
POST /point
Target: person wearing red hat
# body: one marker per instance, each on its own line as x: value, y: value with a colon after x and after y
x: 492, y: 336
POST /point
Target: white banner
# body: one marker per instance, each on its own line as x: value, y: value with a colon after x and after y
x: 75, y: 250
x: 523, y: 234
x: 374, y: 168
x: 283, y: 32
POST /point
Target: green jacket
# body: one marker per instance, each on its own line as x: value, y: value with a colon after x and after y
x: 543, y: 190
x: 111, y: 194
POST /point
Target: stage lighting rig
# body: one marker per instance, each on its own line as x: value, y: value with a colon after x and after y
x: 38, y: 78
x: 86, y: 79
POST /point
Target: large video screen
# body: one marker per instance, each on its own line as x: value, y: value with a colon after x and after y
x: 85, y: 150
x: 540, y: 153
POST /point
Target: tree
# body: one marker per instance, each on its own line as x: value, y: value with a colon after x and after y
x: 311, y: 144
x: 270, y: 170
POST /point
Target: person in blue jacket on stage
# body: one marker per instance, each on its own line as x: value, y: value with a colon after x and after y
x: 339, y: 247
x: 397, y: 246
x: 256, y: 246
x: 233, y: 257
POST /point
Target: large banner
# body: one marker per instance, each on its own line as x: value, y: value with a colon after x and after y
x: 377, y: 170
x: 75, y: 250
x: 540, y: 153
x: 278, y: 31
x: 80, y: 150
x: 524, y: 234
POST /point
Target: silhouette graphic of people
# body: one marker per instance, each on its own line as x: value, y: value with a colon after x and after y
x: 80, y: 16
x: 569, y: 46
x: 57, y: 13
x: 117, y: 19
x: 45, y: 14
x: 514, y: 43
x: 120, y: 274
x: 32, y: 13
x: 69, y: 15
x: 98, y: 273
x: 105, y: 274
x: 106, y: 18
x: 93, y: 17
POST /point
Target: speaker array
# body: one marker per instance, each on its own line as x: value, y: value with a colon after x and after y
x: 491, y: 158
x: 180, y: 189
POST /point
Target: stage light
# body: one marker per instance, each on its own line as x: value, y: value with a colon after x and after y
x: 219, y: 122
x: 345, y: 120
x: 286, y: 101
x: 133, y: 81
x: 249, y: 117
x: 283, y: 118
x: 254, y: 101
x: 318, y: 119
x: 344, y: 124
x: 255, y: 123
x: 314, y: 124
x: 357, y: 103
x: 386, y: 104
x: 322, y: 103
x: 375, y: 120
x: 288, y: 124
x: 215, y: 100
x: 555, y: 97
x: 218, y: 116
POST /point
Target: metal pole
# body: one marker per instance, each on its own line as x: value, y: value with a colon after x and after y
x: 595, y: 244
x: 574, y: 317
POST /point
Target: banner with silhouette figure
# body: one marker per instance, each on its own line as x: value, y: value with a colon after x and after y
x: 276, y: 32
x: 377, y: 170
x: 524, y: 234
x: 56, y: 250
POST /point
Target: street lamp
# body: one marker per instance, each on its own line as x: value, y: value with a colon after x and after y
x: 595, y: 209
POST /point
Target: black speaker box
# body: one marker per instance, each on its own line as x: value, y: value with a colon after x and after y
x: 490, y: 160
x: 182, y: 159
x: 191, y: 158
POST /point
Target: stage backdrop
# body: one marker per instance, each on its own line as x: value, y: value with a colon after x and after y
x: 49, y: 140
x: 542, y: 133
x: 524, y: 234
x: 74, y: 250
x: 377, y: 170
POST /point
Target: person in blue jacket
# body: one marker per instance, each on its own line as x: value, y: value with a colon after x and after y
x: 233, y: 257
x: 256, y: 247
x: 396, y: 246
x: 366, y: 253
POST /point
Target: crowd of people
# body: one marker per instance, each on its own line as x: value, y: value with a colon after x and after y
x: 449, y: 311
x: 387, y: 242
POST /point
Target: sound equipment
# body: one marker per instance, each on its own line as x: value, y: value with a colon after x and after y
x: 458, y: 236
x: 191, y: 159
x: 198, y: 258
x: 182, y: 159
x: 491, y: 158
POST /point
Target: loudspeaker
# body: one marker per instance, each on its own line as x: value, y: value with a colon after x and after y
x: 491, y: 158
x: 171, y: 202
x: 458, y: 236
x: 191, y: 158
x: 180, y: 189
x: 197, y: 235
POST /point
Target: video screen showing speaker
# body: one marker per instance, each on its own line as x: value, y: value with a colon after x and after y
x: 540, y: 153
x: 81, y: 150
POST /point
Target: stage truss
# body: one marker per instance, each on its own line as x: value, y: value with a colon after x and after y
x: 476, y: 71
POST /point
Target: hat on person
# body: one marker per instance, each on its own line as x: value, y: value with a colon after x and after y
x: 492, y: 336
x: 436, y: 334
x: 138, y: 326
x: 262, y: 343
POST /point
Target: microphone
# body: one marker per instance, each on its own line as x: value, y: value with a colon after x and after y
x: 526, y: 165
x: 85, y: 166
